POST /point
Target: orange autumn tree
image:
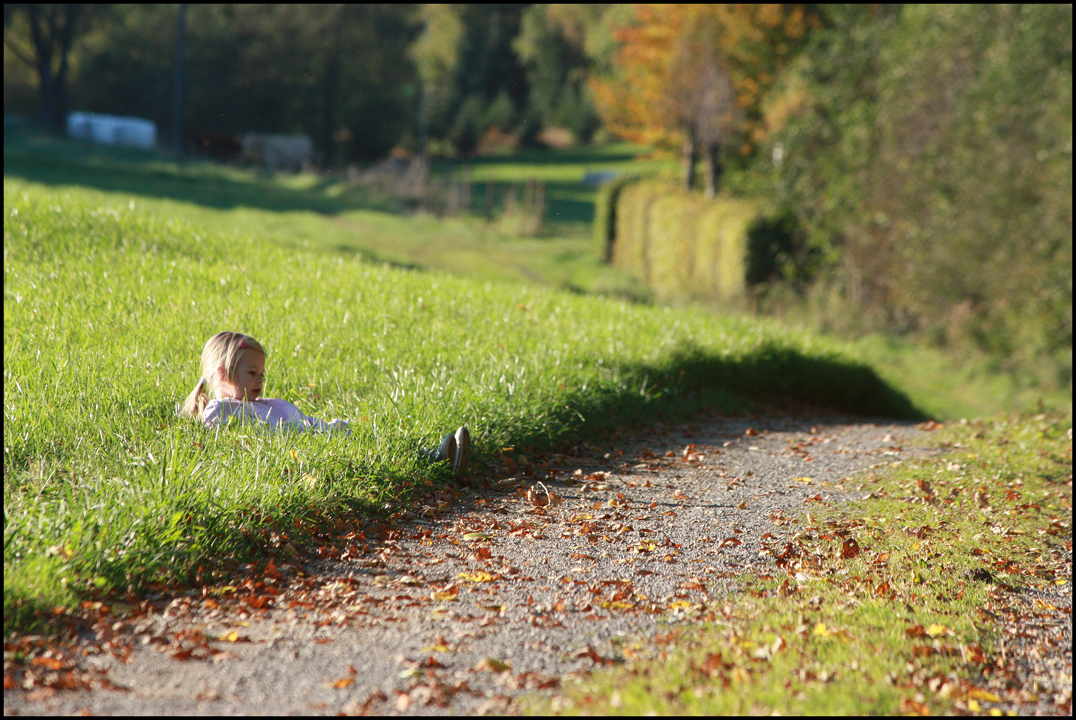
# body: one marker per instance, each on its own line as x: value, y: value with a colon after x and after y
x: 693, y: 77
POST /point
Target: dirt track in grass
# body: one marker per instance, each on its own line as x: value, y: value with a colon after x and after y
x: 462, y: 608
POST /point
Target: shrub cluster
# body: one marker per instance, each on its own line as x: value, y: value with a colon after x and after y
x: 682, y: 244
x: 926, y: 154
x: 605, y: 214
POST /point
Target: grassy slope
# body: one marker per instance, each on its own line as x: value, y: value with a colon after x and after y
x: 328, y: 214
x: 106, y: 308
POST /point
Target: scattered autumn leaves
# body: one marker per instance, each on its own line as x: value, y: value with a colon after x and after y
x: 947, y: 550
x: 952, y: 588
x: 234, y: 595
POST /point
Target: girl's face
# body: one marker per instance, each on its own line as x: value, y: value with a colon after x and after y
x: 250, y: 377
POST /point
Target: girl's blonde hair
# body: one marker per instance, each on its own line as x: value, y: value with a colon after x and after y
x: 223, y: 350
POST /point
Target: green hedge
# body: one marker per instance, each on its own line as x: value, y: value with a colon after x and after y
x: 605, y: 214
x: 683, y: 245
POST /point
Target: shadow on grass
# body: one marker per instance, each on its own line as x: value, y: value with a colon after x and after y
x: 560, y: 206
x: 198, y: 184
x: 619, y: 152
x: 692, y: 384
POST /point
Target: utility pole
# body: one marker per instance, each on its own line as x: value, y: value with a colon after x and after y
x: 177, y: 98
x: 423, y: 96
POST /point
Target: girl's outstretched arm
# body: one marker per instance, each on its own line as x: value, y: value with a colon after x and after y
x: 334, y: 425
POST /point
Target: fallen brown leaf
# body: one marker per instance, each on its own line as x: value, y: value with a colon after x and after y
x: 589, y: 652
x: 492, y: 664
x: 50, y: 663
x: 916, y: 631
x: 850, y: 549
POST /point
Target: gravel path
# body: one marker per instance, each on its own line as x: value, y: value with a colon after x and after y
x: 463, y: 610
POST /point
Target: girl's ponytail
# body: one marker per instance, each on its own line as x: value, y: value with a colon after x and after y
x: 196, y: 401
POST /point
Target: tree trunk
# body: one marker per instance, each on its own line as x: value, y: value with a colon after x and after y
x: 49, y: 41
x: 46, y: 82
x: 330, y: 83
x: 713, y: 169
x: 47, y: 97
x: 423, y: 117
x: 177, y: 96
x: 690, y: 155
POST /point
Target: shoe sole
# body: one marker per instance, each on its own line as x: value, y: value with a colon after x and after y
x: 463, y: 452
x: 447, y: 450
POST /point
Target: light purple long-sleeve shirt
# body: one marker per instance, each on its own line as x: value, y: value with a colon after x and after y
x: 273, y: 412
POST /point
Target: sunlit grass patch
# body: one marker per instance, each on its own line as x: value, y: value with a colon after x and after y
x: 895, y: 604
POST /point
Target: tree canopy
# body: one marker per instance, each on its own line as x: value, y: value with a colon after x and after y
x: 691, y: 75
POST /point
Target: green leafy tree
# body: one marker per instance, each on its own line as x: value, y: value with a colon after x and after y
x: 127, y: 61
x: 487, y: 68
x: 926, y: 152
x: 43, y: 36
x: 436, y: 53
x: 976, y: 207
x: 551, y: 46
x: 818, y: 149
x: 339, y: 73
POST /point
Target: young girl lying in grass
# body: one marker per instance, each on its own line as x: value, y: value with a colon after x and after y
x: 233, y: 370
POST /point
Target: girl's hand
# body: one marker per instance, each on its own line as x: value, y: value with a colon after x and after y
x: 340, y: 425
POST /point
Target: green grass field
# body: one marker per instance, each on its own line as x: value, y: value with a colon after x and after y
x: 106, y: 308
x: 119, y: 265
x: 330, y: 213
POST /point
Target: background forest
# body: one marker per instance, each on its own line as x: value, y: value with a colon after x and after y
x: 918, y: 159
